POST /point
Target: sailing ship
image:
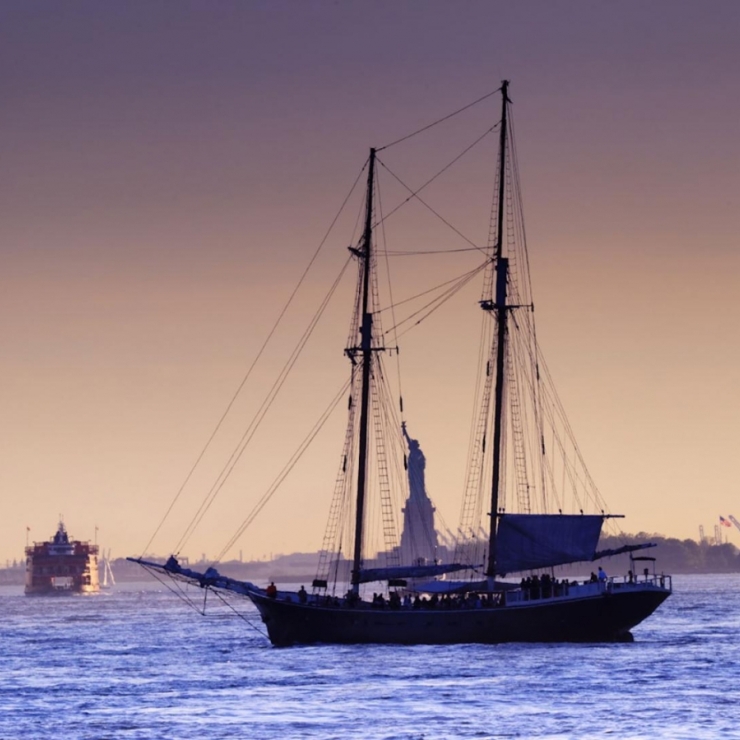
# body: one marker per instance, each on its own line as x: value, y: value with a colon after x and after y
x: 61, y: 566
x: 498, y: 582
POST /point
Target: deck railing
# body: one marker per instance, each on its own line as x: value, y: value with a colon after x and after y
x: 570, y: 589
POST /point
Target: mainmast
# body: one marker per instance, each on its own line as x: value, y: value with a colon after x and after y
x: 500, y: 311
x: 366, y: 337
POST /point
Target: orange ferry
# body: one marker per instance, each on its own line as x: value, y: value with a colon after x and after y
x: 61, y: 566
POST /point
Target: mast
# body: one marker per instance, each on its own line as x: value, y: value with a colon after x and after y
x: 500, y: 312
x: 366, y: 336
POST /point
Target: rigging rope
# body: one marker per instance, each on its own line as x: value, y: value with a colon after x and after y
x: 456, y: 159
x: 431, y: 290
x: 439, y: 301
x: 414, y: 194
x: 440, y: 120
x: 239, y: 614
x: 256, y: 359
x: 178, y: 591
x: 414, y: 253
x: 392, y: 305
x: 283, y: 473
x: 258, y: 417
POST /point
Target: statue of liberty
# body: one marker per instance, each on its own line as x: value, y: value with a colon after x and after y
x: 418, y: 538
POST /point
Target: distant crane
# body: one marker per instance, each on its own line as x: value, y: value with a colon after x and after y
x: 734, y: 521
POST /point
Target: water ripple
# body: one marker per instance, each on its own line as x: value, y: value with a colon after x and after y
x: 139, y: 664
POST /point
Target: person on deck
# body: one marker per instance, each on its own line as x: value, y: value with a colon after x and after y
x: 601, y: 575
x: 271, y: 590
x: 302, y: 595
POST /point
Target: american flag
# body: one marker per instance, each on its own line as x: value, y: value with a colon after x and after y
x: 724, y: 522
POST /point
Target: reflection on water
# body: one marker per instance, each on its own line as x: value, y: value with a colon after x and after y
x: 138, y: 663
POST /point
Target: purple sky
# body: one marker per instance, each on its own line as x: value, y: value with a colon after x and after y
x: 168, y: 168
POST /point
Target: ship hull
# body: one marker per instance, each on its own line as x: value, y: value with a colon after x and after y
x: 52, y: 591
x: 607, y: 616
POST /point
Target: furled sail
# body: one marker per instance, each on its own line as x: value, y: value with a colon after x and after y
x: 409, y: 571
x: 529, y: 541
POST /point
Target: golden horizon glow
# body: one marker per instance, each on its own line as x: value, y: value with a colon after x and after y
x: 167, y: 176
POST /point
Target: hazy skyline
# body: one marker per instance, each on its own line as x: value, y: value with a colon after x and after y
x: 169, y: 168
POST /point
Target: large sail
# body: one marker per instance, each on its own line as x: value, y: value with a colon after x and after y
x: 530, y: 541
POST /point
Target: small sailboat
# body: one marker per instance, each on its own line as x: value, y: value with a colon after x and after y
x: 497, y: 582
x: 108, y: 580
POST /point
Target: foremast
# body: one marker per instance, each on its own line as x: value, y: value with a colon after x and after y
x: 499, y: 309
x: 366, y: 352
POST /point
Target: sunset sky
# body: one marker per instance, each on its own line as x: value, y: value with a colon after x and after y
x: 169, y: 168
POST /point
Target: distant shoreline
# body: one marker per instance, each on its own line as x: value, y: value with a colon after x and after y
x: 674, y: 556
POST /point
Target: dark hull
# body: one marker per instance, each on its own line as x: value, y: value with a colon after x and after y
x: 603, y: 617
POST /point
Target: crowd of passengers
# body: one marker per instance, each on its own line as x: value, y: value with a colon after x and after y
x: 396, y: 601
x: 544, y: 587
x: 532, y: 587
x: 447, y: 601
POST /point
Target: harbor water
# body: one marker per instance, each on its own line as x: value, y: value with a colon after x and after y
x: 139, y: 662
